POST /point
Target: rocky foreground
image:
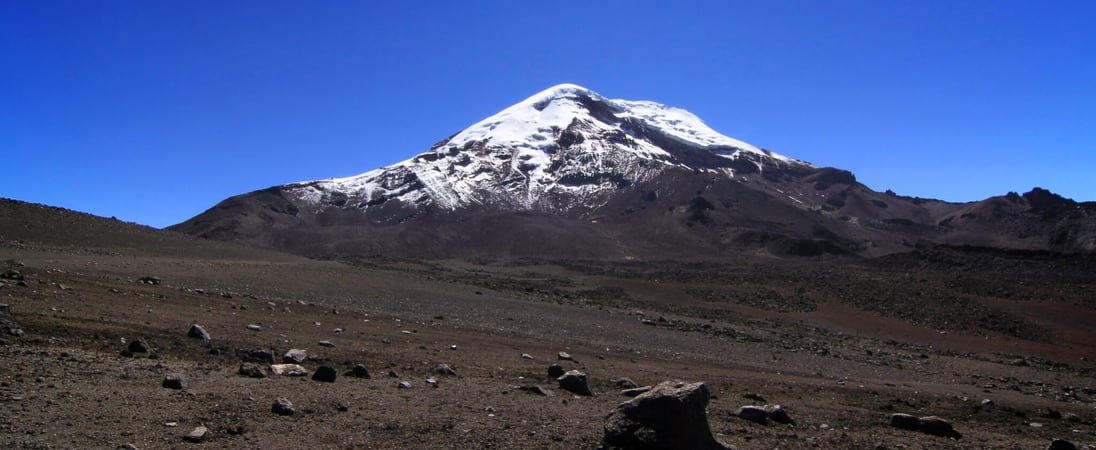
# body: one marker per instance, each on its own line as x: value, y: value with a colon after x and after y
x: 116, y: 336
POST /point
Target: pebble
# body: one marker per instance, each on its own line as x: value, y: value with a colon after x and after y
x: 196, y: 435
x: 282, y: 407
x: 174, y: 381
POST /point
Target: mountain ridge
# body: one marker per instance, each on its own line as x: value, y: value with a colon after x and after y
x: 620, y: 178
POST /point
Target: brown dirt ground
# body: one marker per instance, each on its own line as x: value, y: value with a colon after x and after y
x: 838, y: 369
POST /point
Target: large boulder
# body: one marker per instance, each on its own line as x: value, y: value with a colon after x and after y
x: 671, y: 416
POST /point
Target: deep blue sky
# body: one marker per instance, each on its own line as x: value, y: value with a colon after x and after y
x: 155, y: 111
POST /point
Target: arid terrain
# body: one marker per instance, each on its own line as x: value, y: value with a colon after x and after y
x: 1001, y: 344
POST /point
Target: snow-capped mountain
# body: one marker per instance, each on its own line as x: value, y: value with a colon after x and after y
x: 564, y: 147
x: 570, y: 173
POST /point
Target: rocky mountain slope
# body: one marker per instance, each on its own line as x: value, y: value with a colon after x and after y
x: 570, y: 173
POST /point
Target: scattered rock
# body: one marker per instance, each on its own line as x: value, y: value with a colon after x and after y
x: 526, y: 356
x: 251, y: 371
x: 625, y: 383
x: 905, y: 421
x: 635, y: 391
x: 289, y: 370
x: 575, y: 382
x: 149, y: 280
x: 126, y: 446
x: 254, y: 327
x: 778, y: 414
x: 12, y: 275
x: 197, y: 331
x: 139, y: 346
x: 263, y: 356
x: 403, y: 385
x: 1019, y: 362
x: 564, y: 356
x: 359, y: 371
x: 393, y: 374
x: 325, y: 374
x: 534, y: 389
x: 1062, y: 444
x: 444, y: 369
x: 174, y: 381
x: 754, y: 397
x: 196, y: 435
x: 670, y: 416
x: 432, y: 382
x: 556, y: 371
x: 327, y: 344
x: 753, y: 414
x: 295, y: 356
x: 937, y: 426
x: 282, y: 407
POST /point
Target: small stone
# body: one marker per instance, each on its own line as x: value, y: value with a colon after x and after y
x: 633, y: 392
x: 453, y: 347
x: 431, y: 382
x: 126, y: 446
x: 139, y: 346
x: 251, y: 371
x: 263, y: 356
x: 937, y: 426
x: 778, y: 414
x: 534, y: 389
x: 754, y: 397
x: 282, y: 407
x: 526, y: 356
x: 556, y: 371
x: 327, y: 344
x: 753, y: 414
x: 444, y: 369
x: 359, y: 371
x: 196, y: 435
x: 342, y: 406
x: 393, y: 374
x: 324, y: 374
x: 564, y: 356
x: 403, y: 385
x: 905, y: 421
x: 254, y: 327
x: 575, y: 382
x: 626, y: 383
x: 174, y: 381
x: 289, y: 370
x: 295, y: 356
x: 198, y: 332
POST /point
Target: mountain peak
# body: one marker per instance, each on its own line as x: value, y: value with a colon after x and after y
x: 564, y: 147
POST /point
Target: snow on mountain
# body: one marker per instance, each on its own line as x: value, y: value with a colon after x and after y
x: 563, y: 147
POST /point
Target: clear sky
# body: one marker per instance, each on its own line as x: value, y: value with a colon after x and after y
x: 153, y: 111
